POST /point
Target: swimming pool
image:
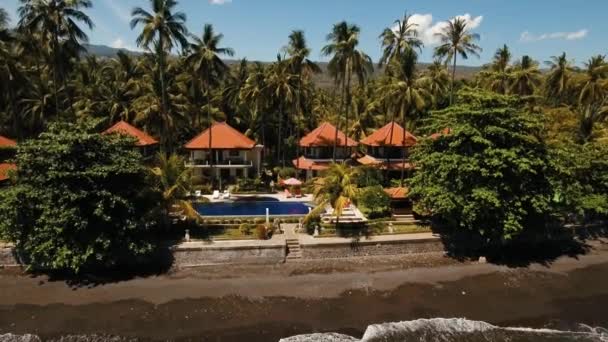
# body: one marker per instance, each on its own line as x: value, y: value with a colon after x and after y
x: 252, y: 208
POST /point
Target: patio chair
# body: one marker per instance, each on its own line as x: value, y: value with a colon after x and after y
x: 197, y: 193
x: 298, y: 193
x: 226, y: 194
x: 216, y: 194
x: 287, y: 194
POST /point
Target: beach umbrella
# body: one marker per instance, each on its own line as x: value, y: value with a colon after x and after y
x: 292, y: 181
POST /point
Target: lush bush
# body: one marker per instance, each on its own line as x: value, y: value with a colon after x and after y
x: 374, y: 202
x: 490, y: 175
x: 261, y: 232
x: 81, y: 200
x: 205, y: 189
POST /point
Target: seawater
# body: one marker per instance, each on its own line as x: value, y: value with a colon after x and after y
x: 421, y: 330
x: 456, y: 329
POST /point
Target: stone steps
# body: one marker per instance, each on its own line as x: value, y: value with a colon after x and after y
x: 405, y: 219
x: 293, y: 250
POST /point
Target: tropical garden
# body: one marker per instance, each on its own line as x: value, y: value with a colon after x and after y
x: 524, y: 141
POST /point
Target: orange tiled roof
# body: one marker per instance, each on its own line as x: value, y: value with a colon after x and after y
x: 397, y: 193
x: 143, y: 139
x: 6, y: 142
x: 383, y: 137
x: 324, y: 136
x: 4, y: 169
x: 306, y: 164
x: 222, y: 137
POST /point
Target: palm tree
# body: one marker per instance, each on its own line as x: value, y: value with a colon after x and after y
x: 456, y: 39
x: 526, y: 77
x: 161, y: 31
x: 337, y: 189
x: 56, y: 21
x: 281, y: 85
x: 406, y: 92
x: 557, y: 83
x: 402, y: 36
x: 253, y: 94
x: 497, y: 75
x: 174, y: 182
x: 4, y: 19
x: 302, y: 67
x: 204, y: 59
x: 346, y: 60
x: 594, y: 86
x: 436, y: 80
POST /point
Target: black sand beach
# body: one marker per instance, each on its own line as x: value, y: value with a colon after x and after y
x: 265, y: 303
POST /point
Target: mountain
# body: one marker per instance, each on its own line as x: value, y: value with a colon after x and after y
x: 323, y: 80
x: 106, y: 51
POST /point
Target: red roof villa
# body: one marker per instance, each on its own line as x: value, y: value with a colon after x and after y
x: 145, y: 142
x: 5, y: 168
x: 385, y: 148
x: 318, y: 148
x: 232, y: 153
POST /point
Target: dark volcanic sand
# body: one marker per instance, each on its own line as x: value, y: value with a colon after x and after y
x: 265, y: 303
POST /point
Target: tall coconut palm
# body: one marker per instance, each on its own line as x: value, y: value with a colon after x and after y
x: 253, y: 94
x: 302, y: 67
x: 497, y: 75
x: 526, y: 77
x: 4, y: 19
x: 56, y: 22
x: 406, y: 92
x: 401, y: 36
x: 337, y: 188
x: 281, y: 85
x: 436, y: 80
x: 162, y: 30
x: 557, y: 83
x: 346, y: 61
x: 594, y: 84
x: 204, y: 59
x: 456, y: 39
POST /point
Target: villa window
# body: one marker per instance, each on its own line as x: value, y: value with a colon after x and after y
x: 234, y: 153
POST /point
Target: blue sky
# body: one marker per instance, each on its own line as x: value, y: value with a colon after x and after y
x: 257, y: 29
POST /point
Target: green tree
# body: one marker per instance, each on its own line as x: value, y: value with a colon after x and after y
x: 81, y: 201
x: 402, y: 36
x: 162, y: 30
x: 56, y: 22
x: 336, y: 188
x: 488, y: 176
x: 456, y: 39
x: 525, y: 77
x: 174, y: 181
x: 346, y: 61
x: 204, y: 59
x: 557, y: 83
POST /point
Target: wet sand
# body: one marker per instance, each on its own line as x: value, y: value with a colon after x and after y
x: 264, y: 303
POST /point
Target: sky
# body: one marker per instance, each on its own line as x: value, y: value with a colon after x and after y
x: 257, y: 29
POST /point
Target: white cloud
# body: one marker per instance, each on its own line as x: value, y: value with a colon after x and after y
x: 118, y: 44
x: 219, y: 2
x: 529, y: 37
x: 427, y: 29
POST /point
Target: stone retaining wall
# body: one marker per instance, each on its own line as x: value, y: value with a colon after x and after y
x: 213, y: 255
x: 370, y: 248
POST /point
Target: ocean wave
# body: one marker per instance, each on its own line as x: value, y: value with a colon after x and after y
x: 456, y: 329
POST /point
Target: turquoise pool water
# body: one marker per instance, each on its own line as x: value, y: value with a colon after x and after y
x: 252, y: 208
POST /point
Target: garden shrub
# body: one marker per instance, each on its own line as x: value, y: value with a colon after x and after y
x: 246, y: 228
x: 374, y: 202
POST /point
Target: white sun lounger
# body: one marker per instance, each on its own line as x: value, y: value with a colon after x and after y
x: 216, y: 194
x: 226, y: 194
x: 197, y: 193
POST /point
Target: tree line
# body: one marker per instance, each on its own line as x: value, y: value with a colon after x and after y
x: 48, y: 77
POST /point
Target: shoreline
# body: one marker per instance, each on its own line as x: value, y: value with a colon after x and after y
x: 265, y: 303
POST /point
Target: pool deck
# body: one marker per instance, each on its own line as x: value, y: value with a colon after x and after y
x: 279, y: 196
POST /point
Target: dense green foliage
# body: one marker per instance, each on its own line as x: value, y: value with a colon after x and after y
x: 374, y: 202
x: 81, y: 200
x: 490, y: 174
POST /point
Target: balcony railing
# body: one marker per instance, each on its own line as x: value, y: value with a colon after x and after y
x: 237, y: 162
